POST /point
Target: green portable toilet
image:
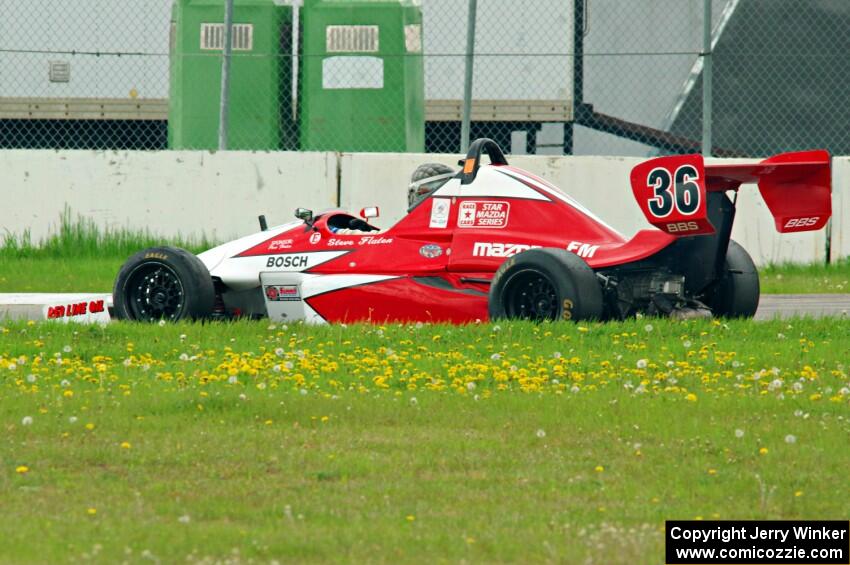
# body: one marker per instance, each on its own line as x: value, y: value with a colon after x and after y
x: 261, y: 28
x: 363, y: 76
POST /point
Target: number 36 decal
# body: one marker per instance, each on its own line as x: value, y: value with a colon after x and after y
x: 684, y: 197
x: 671, y: 193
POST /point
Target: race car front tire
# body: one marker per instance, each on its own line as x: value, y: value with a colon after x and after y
x: 545, y: 284
x: 163, y: 283
x: 736, y: 294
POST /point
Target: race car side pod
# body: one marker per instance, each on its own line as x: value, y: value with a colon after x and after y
x: 682, y: 196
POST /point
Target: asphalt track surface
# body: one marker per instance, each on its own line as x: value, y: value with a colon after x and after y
x: 815, y: 305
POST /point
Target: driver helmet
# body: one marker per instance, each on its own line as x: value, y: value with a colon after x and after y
x: 427, y: 178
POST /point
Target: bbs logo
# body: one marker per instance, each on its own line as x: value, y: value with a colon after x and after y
x: 679, y: 227
x: 802, y: 222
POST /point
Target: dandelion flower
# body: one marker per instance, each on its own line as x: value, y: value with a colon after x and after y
x: 91, y: 511
x: 648, y: 328
x: 26, y: 421
x: 599, y: 468
x: 233, y: 379
x: 90, y: 426
x: 739, y: 433
x: 31, y: 378
x: 763, y: 451
x: 470, y: 386
x: 642, y: 363
x: 691, y: 397
x: 410, y: 518
x: 22, y: 469
x: 67, y: 349
x: 413, y: 401
x: 540, y: 433
x: 790, y: 438
x: 125, y: 445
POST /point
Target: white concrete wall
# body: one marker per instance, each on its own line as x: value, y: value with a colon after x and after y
x: 840, y: 240
x: 219, y: 195
x: 171, y: 192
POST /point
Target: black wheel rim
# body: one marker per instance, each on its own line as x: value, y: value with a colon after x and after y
x: 530, y: 294
x: 154, y: 292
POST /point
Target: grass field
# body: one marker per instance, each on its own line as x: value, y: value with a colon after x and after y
x: 257, y: 442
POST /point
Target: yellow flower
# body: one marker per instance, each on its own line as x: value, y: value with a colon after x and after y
x: 89, y: 426
x: 691, y: 397
x: 763, y: 451
x: 599, y: 468
x: 68, y: 393
x: 22, y: 469
x: 325, y: 418
x: 712, y: 471
x: 125, y: 445
x: 91, y: 511
x: 410, y: 518
x: 798, y: 493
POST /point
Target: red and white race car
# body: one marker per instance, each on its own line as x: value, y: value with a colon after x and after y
x: 494, y: 242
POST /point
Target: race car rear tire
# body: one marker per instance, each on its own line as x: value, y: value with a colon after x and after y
x: 545, y: 284
x: 163, y: 283
x: 737, y: 294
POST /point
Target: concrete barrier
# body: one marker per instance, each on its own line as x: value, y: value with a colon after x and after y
x: 219, y: 195
x: 189, y: 193
x: 840, y: 238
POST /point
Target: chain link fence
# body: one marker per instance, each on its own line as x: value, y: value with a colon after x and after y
x: 602, y: 77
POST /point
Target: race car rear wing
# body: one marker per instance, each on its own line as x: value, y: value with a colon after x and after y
x: 673, y: 191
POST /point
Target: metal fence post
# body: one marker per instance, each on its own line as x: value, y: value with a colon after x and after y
x: 225, y: 75
x: 467, y: 82
x: 706, y: 79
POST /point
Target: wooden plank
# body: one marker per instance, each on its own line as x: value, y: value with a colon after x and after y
x: 500, y: 110
x: 157, y: 109
x: 83, y: 109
